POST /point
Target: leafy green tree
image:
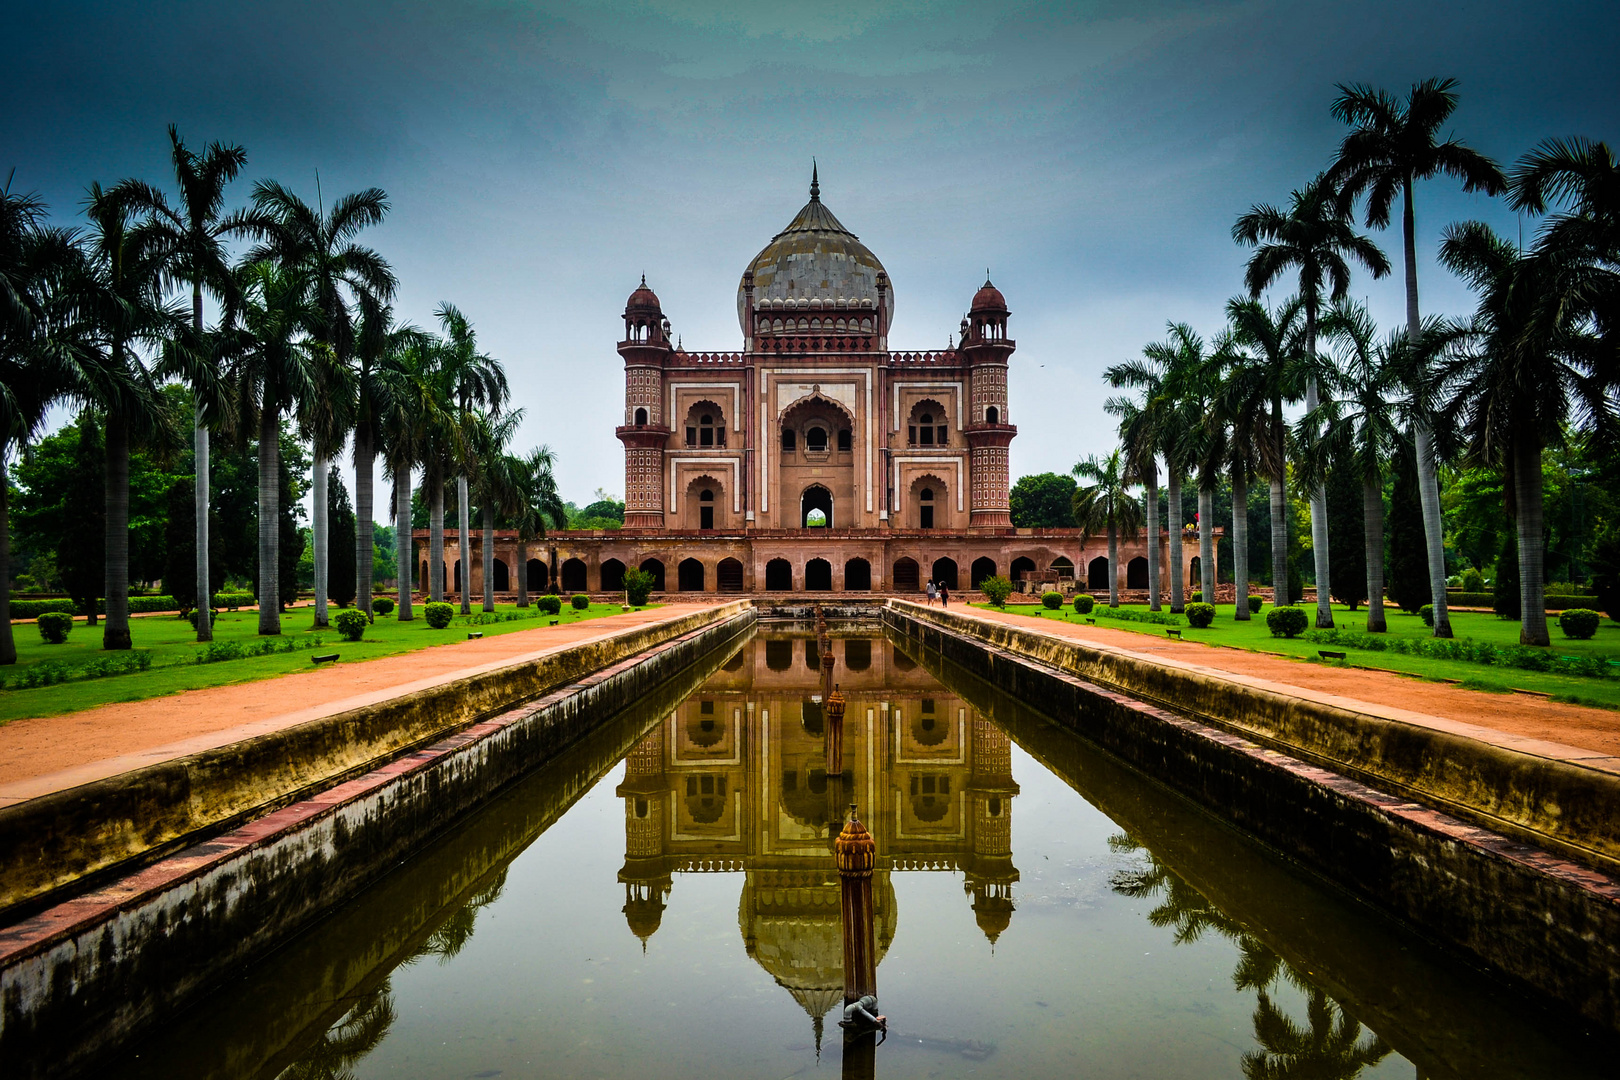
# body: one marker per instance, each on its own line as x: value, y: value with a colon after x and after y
x: 472, y: 380
x: 1042, y: 501
x: 1506, y: 598
x: 1528, y: 365
x: 1316, y: 238
x: 61, y: 508
x: 535, y: 504
x: 1406, y: 558
x: 1106, y: 505
x: 1347, y: 511
x: 193, y: 234
x: 342, y: 577
x: 1391, y: 146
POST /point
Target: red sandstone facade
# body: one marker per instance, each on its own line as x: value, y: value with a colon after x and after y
x: 816, y: 458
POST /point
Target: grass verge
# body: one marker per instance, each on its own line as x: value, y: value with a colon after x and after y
x: 168, y: 648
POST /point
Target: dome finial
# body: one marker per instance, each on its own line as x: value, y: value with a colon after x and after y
x: 643, y: 280
x: 815, y: 182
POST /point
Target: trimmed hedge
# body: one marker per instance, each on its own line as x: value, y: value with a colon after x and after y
x: 1426, y: 613
x: 1199, y: 616
x: 1156, y: 618
x: 351, y: 623
x: 580, y: 601
x: 1083, y: 603
x: 552, y: 605
x: 1256, y: 603
x: 382, y: 605
x: 138, y: 605
x: 1286, y: 622
x: 1579, y: 623
x: 55, y: 626
x: 438, y: 615
x: 1555, y: 601
x: 1051, y: 601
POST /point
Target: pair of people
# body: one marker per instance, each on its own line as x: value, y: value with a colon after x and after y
x: 939, y: 592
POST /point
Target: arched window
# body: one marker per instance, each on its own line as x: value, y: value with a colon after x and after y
x: 981, y: 569
x: 789, y: 440
x: 928, y: 425
x: 778, y: 575
x: 925, y: 428
x: 816, y: 508
x: 815, y: 438
x: 992, y: 415
x: 844, y: 440
x: 728, y: 576
x: 907, y: 576
x: 944, y: 573
x: 925, y: 508
x: 706, y: 509
x: 612, y: 575
x: 573, y: 575
x: 1097, y: 573
x: 689, y: 575
x: 1136, y: 573
x: 705, y: 426
x: 857, y: 576
x: 641, y: 418
x: 818, y: 575
x: 656, y: 569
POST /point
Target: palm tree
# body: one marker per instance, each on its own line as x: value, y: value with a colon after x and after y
x: 1236, y: 438
x: 37, y: 366
x: 120, y: 299
x: 274, y: 366
x: 1106, y: 505
x: 1316, y: 237
x: 194, y: 233
x: 491, y: 485
x: 477, y: 380
x: 1391, y: 146
x: 409, y: 409
x: 1529, y: 363
x: 1162, y: 374
x: 1360, y: 428
x: 536, y: 504
x: 342, y: 276
x: 1140, y: 441
x: 326, y: 416
x: 1273, y: 375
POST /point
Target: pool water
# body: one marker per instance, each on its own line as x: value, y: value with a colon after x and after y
x: 662, y: 902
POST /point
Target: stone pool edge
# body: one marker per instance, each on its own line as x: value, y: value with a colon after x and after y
x: 113, y: 960
x: 1543, y: 920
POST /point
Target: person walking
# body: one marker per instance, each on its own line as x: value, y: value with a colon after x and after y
x: 944, y: 595
x: 931, y: 594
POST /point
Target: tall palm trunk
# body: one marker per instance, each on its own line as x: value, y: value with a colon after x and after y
x: 1207, y: 568
x: 489, y: 558
x: 1113, y: 563
x: 464, y: 520
x: 404, y: 546
x: 1153, y: 538
x: 8, y: 641
x: 436, y: 573
x: 269, y: 520
x: 199, y: 449
x: 116, y: 634
x: 1279, y: 543
x: 1240, y: 542
x: 1532, y: 549
x: 522, y: 570
x: 1372, y: 509
x: 1178, y: 600
x: 1423, y: 440
x: 321, y: 527
x: 1319, y: 519
x: 365, y: 457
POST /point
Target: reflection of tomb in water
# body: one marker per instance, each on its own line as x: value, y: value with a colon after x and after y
x: 736, y: 779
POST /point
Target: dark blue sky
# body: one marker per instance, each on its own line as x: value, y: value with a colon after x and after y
x: 541, y: 156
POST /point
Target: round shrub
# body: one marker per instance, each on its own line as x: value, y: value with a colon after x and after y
x: 580, y: 601
x: 439, y: 615
x: 1286, y: 621
x: 1083, y: 603
x: 1256, y: 603
x: 54, y: 627
x: 381, y: 605
x: 1199, y: 616
x: 996, y: 589
x: 352, y: 623
x: 638, y: 585
x: 550, y: 605
x: 1578, y: 623
x: 1426, y: 613
x: 1051, y: 601
x: 191, y: 617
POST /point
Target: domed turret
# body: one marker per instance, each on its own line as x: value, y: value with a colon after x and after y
x: 818, y: 265
x: 643, y: 300
x: 988, y: 299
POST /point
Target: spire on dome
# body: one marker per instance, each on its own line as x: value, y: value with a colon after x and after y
x: 815, y: 182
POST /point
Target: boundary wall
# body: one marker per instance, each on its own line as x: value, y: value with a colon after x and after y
x: 1542, y: 919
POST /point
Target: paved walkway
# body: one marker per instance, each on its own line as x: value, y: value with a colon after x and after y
x: 50, y: 753
x: 1515, y: 718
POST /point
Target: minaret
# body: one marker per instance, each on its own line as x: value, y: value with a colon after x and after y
x: 645, y: 431
x: 645, y: 876
x: 990, y: 872
x: 986, y: 346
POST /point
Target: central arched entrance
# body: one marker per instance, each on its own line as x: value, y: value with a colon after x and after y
x: 816, y: 498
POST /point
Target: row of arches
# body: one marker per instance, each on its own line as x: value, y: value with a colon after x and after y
x: 691, y: 575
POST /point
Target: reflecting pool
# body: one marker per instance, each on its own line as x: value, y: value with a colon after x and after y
x: 662, y: 902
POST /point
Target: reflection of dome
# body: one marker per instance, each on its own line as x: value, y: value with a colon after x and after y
x: 813, y: 262
x: 790, y: 926
x: 705, y: 731
x: 644, y: 903
x: 993, y: 914
x: 927, y: 730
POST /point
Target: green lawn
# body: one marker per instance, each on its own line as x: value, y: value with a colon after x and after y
x: 1253, y: 635
x: 171, y: 644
